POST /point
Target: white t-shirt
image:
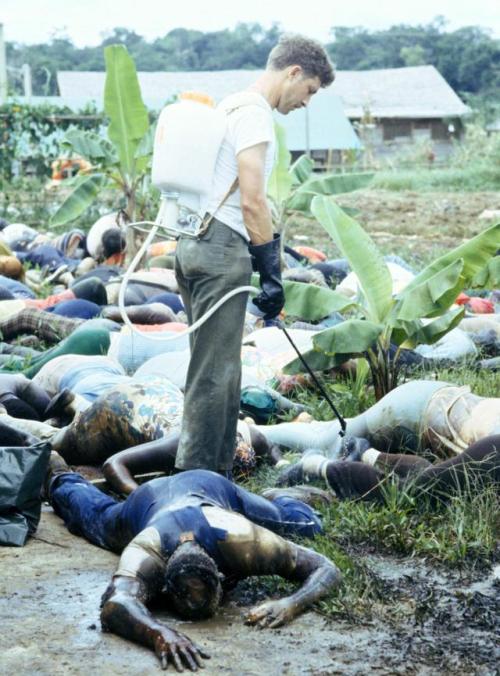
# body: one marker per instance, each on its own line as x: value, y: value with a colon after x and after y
x: 249, y: 124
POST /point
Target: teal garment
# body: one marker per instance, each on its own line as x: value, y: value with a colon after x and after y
x: 258, y: 403
x: 85, y: 340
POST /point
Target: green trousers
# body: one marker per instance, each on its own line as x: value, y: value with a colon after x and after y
x: 206, y: 269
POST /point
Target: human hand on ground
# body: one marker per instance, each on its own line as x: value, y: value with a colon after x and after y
x: 173, y: 647
x: 272, y: 614
x: 352, y: 448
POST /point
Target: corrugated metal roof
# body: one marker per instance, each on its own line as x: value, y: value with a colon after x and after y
x: 328, y: 125
x: 416, y: 92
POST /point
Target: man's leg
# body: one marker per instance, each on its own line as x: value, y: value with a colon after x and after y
x: 210, y: 267
x: 85, y: 509
x: 476, y: 467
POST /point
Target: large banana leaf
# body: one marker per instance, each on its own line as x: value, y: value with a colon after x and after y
x: 362, y: 254
x: 331, y: 184
x: 433, y: 296
x: 84, y: 193
x: 336, y: 345
x: 350, y: 337
x: 432, y: 332
x: 280, y: 181
x: 123, y: 104
x: 90, y: 145
x: 312, y: 303
x: 475, y: 254
x: 146, y: 144
x: 317, y: 361
x: 489, y: 277
x: 301, y: 169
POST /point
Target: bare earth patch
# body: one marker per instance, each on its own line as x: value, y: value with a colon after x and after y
x: 432, y: 621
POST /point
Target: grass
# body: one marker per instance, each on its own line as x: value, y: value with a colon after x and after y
x: 477, y: 177
x: 461, y: 533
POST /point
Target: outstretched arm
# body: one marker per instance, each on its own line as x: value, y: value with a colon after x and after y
x: 155, y: 456
x: 319, y: 576
x: 124, y: 613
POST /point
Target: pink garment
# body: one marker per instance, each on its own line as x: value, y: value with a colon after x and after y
x: 44, y: 303
x: 175, y: 327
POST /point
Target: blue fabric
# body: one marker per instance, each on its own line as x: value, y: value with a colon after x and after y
x: 172, y: 300
x: 46, y: 255
x: 87, y: 511
x: 19, y: 289
x: 80, y: 308
x: 90, y: 379
x: 173, y: 505
x: 5, y: 294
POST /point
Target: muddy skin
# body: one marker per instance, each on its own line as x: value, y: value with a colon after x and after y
x: 50, y: 592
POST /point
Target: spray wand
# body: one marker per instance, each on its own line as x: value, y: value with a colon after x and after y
x: 279, y: 324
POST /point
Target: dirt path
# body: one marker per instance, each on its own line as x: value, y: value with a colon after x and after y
x: 432, y: 623
x: 410, y: 223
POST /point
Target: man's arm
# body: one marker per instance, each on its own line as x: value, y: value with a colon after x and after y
x: 250, y: 550
x: 140, y: 577
x: 265, y: 248
x: 319, y: 576
x: 153, y: 456
x: 254, y: 206
x: 124, y: 613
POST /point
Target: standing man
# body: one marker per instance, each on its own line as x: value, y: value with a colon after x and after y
x: 240, y: 235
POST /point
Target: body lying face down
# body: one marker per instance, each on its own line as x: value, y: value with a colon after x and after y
x: 183, y: 539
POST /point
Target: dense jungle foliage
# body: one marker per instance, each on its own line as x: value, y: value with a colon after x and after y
x: 469, y: 58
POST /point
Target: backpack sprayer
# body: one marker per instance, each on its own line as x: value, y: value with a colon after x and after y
x: 187, y: 141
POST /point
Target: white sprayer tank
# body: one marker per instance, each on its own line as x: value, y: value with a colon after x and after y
x: 188, y: 138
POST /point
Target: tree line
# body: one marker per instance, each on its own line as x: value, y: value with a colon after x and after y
x: 468, y: 58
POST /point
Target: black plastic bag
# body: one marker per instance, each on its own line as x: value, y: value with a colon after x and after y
x: 22, y: 471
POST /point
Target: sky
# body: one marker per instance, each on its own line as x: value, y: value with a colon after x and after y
x: 86, y: 22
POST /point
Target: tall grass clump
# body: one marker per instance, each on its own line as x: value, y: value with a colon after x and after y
x: 477, y: 177
x: 474, y: 165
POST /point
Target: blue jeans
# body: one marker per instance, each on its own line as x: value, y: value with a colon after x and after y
x: 111, y: 524
x: 87, y: 511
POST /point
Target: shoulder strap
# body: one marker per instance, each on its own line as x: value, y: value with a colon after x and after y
x: 252, y: 100
x: 206, y: 221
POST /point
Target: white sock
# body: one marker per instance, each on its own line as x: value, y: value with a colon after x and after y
x: 313, y: 464
x: 370, y: 456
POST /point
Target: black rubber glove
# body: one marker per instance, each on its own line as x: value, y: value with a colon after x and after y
x: 266, y: 261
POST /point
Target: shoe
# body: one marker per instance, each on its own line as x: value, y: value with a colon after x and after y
x: 57, y: 465
x: 10, y: 436
x: 55, y: 275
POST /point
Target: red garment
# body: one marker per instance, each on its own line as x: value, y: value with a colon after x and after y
x: 44, y: 303
x: 313, y: 255
x: 480, y: 306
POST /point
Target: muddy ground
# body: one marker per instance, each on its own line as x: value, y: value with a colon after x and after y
x: 432, y: 621
x: 414, y: 224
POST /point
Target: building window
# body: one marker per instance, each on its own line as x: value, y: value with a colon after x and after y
x: 394, y: 129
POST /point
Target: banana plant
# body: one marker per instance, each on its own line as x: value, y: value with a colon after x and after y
x: 122, y: 160
x: 292, y: 187
x: 421, y: 313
